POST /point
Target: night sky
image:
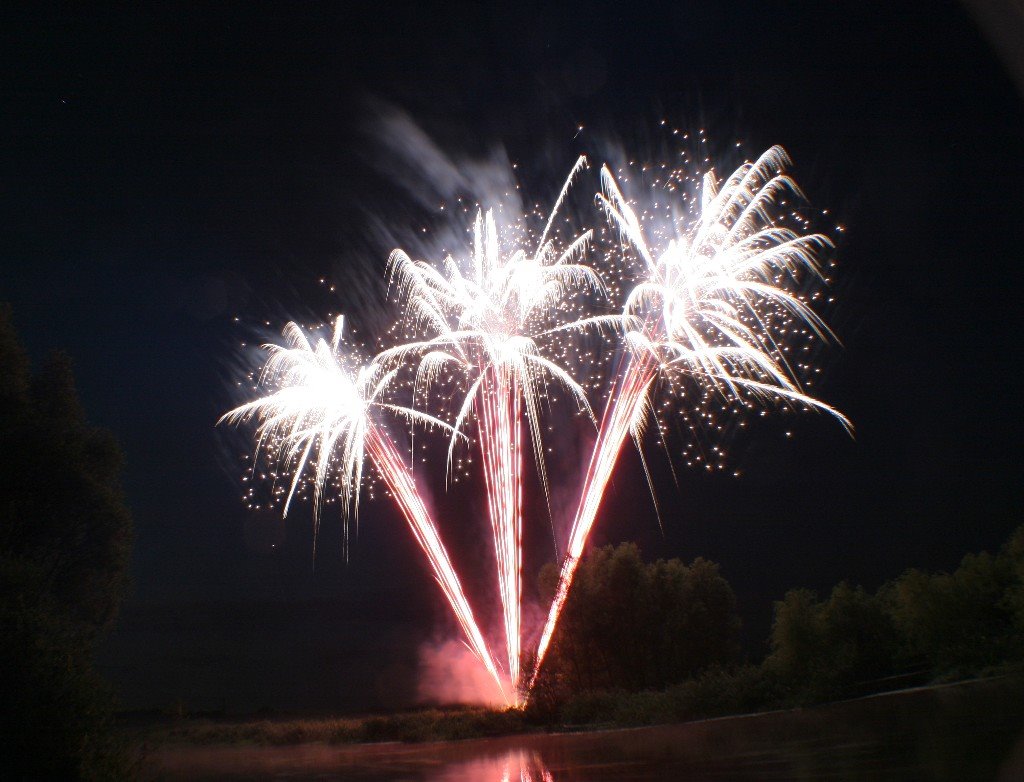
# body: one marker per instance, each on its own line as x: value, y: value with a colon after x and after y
x: 168, y: 170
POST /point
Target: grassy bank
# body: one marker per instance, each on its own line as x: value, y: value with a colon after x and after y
x: 435, y: 724
x: 712, y: 696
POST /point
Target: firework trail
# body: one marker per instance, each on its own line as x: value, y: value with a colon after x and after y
x: 323, y: 410
x: 486, y: 323
x: 704, y: 308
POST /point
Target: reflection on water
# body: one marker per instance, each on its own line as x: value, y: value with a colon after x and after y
x: 960, y: 732
x: 516, y: 766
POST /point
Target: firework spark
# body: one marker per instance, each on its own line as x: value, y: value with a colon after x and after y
x: 487, y: 323
x: 703, y: 309
x: 709, y: 313
x: 323, y: 410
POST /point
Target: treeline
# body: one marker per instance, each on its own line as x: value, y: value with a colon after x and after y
x: 650, y: 642
x: 65, y: 537
x: 634, y: 626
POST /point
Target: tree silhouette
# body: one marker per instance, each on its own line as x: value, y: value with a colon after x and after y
x: 65, y: 537
x: 633, y: 626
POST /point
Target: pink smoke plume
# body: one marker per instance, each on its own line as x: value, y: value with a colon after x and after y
x: 451, y: 673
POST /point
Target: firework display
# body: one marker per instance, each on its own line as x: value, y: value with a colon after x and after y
x: 703, y: 308
x: 694, y: 304
x: 323, y: 407
x: 486, y: 323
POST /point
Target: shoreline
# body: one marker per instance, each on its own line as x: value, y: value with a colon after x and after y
x: 896, y: 729
x: 204, y: 731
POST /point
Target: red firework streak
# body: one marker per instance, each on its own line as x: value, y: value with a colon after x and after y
x: 501, y: 447
x: 625, y: 405
x: 400, y: 482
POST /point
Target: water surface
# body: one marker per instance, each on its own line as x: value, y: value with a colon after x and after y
x: 959, y: 732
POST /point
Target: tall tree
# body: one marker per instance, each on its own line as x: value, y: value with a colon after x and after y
x: 65, y: 537
x: 962, y: 622
x: 630, y: 625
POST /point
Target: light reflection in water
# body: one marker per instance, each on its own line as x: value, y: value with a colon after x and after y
x: 515, y: 766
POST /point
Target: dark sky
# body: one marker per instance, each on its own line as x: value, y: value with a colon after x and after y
x: 165, y: 170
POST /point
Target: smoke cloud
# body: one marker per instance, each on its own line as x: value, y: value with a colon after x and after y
x: 450, y: 673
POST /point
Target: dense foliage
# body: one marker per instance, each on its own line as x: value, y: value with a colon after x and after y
x: 633, y: 626
x: 65, y: 536
x: 918, y: 627
x: 642, y: 643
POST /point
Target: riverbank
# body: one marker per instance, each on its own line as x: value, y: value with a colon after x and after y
x: 969, y: 730
x: 439, y: 724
